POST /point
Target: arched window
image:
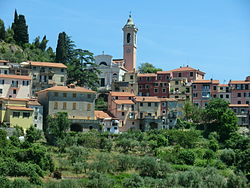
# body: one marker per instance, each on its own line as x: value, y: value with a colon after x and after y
x: 103, y: 63
x: 128, y: 37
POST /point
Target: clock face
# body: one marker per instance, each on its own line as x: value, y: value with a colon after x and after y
x: 128, y: 50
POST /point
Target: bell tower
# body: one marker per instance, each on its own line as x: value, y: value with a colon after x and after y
x: 129, y: 44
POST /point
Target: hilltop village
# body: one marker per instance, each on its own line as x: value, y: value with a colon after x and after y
x: 30, y: 91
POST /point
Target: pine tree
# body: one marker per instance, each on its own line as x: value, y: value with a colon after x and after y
x: 15, y: 20
x: 2, y: 30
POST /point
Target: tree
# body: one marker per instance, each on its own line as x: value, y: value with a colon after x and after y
x: 219, y: 118
x: 20, y: 29
x: 43, y: 43
x: 57, y: 125
x: 2, y: 30
x: 33, y: 134
x: 148, y: 68
x: 64, y: 49
x: 82, y: 70
x: 3, y: 138
x: 192, y: 113
x: 9, y: 36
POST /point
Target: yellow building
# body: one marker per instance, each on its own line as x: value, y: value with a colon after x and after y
x: 180, y: 88
x: 15, y: 112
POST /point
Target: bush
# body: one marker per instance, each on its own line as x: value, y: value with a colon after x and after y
x: 238, y: 180
x: 97, y: 180
x: 228, y: 156
x: 21, y: 183
x: 133, y: 181
x: 190, y: 179
x: 187, y: 157
x: 148, y: 166
x: 125, y: 162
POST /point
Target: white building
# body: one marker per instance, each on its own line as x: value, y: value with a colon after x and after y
x: 37, y: 113
x: 15, y: 86
x: 111, y: 70
x: 4, y: 67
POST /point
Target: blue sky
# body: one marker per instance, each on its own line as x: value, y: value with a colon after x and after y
x: 210, y: 35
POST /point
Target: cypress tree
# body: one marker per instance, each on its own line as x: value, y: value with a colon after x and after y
x: 21, y: 31
x: 43, y: 43
x: 2, y: 30
x: 61, y: 48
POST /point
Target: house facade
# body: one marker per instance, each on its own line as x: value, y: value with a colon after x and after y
x: 77, y: 102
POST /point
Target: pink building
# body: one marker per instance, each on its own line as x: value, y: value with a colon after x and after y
x: 188, y: 72
x: 204, y: 90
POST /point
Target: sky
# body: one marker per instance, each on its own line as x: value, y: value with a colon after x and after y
x: 210, y: 35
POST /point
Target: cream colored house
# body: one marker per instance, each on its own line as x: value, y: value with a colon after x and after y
x: 15, y: 86
x: 180, y: 88
x: 77, y: 102
x: 46, y: 74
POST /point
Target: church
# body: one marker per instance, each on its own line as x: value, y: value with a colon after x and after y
x: 113, y: 70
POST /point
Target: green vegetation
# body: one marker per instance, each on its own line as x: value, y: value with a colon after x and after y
x: 181, y: 157
x: 148, y: 68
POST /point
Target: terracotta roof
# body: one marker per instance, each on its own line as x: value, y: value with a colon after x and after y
x: 102, y: 115
x: 163, y: 72
x: 122, y: 94
x: 14, y: 99
x: 21, y: 108
x: 223, y: 85
x: 124, y: 102
x: 146, y: 75
x: 239, y: 82
x: 147, y: 99
x: 167, y: 99
x: 20, y: 77
x: 4, y: 61
x: 206, y: 82
x: 47, y: 64
x: 239, y: 105
x: 67, y: 89
x: 34, y: 103
x: 182, y: 69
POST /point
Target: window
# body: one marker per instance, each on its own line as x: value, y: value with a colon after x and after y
x: 239, y: 102
x: 176, y: 82
x: 5, y: 72
x: 1, y: 91
x: 227, y: 96
x: 149, y: 104
x: 55, y: 105
x: 50, y: 77
x: 215, y: 87
x: 141, y: 104
x: 191, y: 74
x: 164, y: 90
x: 239, y: 94
x: 179, y: 74
x: 131, y: 77
x: 156, y: 84
x: 194, y: 86
x: 128, y: 37
x: 195, y: 94
x: 221, y: 96
x: 16, y: 114
x: 55, y: 94
x: 64, y: 106
x: 116, y: 97
x: 64, y: 95
x: 156, y: 104
x: 156, y: 90
x: 62, y: 70
x: 26, y: 114
x: 89, y: 96
x: 159, y: 77
x: 214, y: 96
x: 247, y: 102
x: 102, y: 82
x: 88, y: 107
x: 123, y: 113
x: 74, y: 95
x: 14, y: 91
x: 74, y: 106
x: 147, y: 86
x: 62, y: 79
x: 1, y: 81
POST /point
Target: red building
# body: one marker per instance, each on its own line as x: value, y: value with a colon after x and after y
x: 204, y: 90
x: 154, y: 84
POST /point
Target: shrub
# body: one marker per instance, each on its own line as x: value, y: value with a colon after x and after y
x: 21, y: 183
x: 187, y: 157
x: 190, y: 178
x: 133, y: 181
x: 97, y: 180
x: 237, y: 180
x: 148, y: 166
x: 228, y: 156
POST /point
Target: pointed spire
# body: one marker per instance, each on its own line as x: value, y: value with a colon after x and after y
x: 130, y: 20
